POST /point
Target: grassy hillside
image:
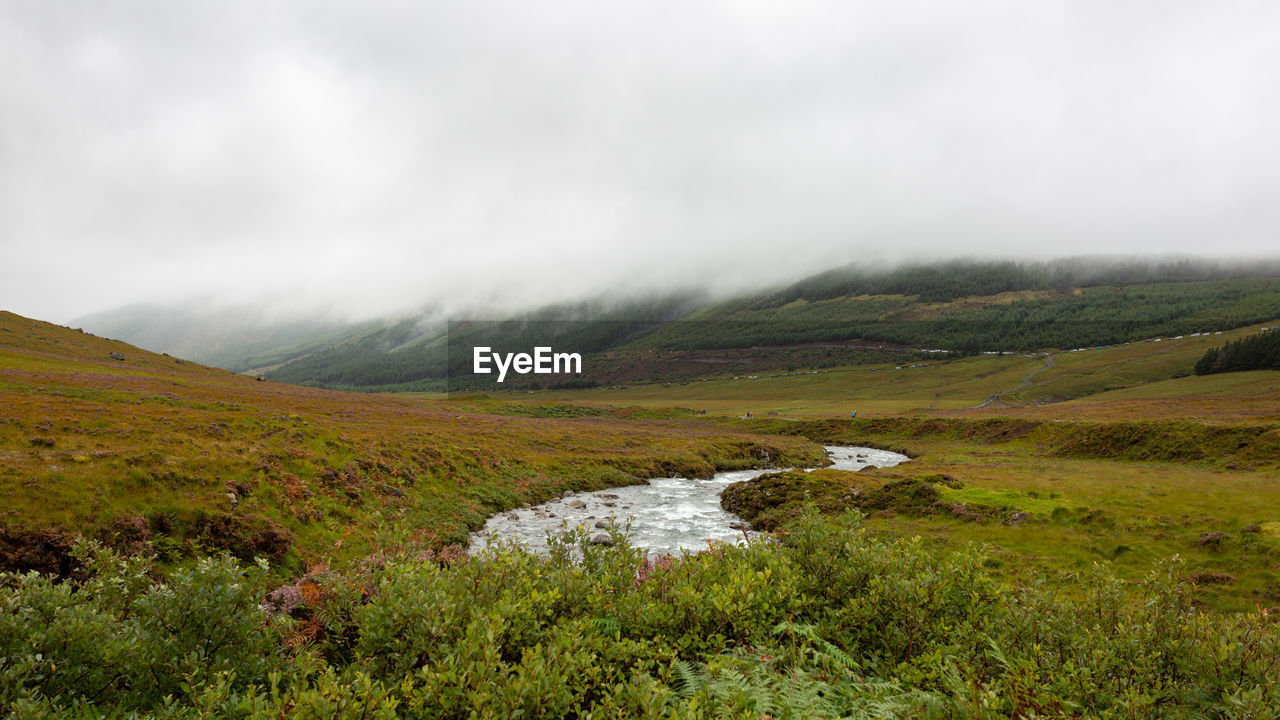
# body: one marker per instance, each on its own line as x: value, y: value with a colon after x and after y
x: 1025, y: 383
x: 180, y: 456
x: 1126, y: 476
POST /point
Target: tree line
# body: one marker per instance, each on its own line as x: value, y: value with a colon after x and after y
x: 1256, y: 352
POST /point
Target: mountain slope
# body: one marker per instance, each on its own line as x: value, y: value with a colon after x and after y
x: 841, y: 317
x: 100, y: 437
x: 237, y: 338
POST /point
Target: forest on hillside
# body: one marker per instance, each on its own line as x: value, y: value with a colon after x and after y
x: 1097, y: 316
x: 963, y: 308
x: 1257, y: 352
x: 942, y: 282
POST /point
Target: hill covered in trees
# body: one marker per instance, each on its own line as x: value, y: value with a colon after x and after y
x: 942, y: 282
x: 960, y: 307
x: 1010, y: 321
x: 1259, y: 352
x: 963, y: 308
x: 415, y: 355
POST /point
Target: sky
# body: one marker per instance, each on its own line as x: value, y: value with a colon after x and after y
x: 364, y: 158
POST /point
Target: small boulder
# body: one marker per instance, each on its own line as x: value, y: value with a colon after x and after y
x: 116, y: 356
x: 1212, y: 539
x: 1211, y: 578
x: 577, y: 505
x: 601, y: 539
x: 1017, y: 517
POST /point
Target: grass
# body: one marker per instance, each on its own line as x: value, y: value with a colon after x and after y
x: 1021, y: 501
x: 1128, y: 513
x: 1134, y: 466
x: 87, y: 441
x: 1139, y: 381
x: 1049, y: 516
x: 870, y: 390
x: 1126, y: 476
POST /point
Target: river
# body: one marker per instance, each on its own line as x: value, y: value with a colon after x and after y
x: 667, y: 515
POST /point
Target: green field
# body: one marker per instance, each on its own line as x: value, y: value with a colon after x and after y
x: 97, y: 445
x: 1088, y: 534
x: 1045, y: 383
x: 1129, y: 459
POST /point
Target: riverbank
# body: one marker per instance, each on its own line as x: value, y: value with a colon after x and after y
x: 662, y: 516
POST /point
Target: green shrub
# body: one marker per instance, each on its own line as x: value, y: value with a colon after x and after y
x: 822, y: 621
x: 120, y: 639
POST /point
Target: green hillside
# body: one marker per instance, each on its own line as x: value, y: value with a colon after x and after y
x: 1011, y: 321
x: 845, y: 317
x: 1260, y: 351
x: 102, y: 438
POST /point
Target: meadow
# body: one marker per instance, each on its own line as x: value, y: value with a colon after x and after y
x: 1062, y: 459
x: 1096, y: 535
x: 1047, y: 383
x: 186, y: 458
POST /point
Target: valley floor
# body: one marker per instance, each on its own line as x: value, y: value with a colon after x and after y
x: 1102, y: 540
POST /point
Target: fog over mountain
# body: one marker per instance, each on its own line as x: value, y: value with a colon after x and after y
x: 358, y: 160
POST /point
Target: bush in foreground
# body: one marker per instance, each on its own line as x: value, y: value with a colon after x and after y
x: 823, y: 622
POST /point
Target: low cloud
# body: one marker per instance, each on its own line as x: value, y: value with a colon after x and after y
x: 365, y: 159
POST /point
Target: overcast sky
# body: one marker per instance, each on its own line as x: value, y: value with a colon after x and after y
x: 373, y: 156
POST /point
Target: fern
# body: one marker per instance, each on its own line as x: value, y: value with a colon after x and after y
x: 687, y: 679
x: 825, y: 652
x: 766, y: 692
x: 608, y: 626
